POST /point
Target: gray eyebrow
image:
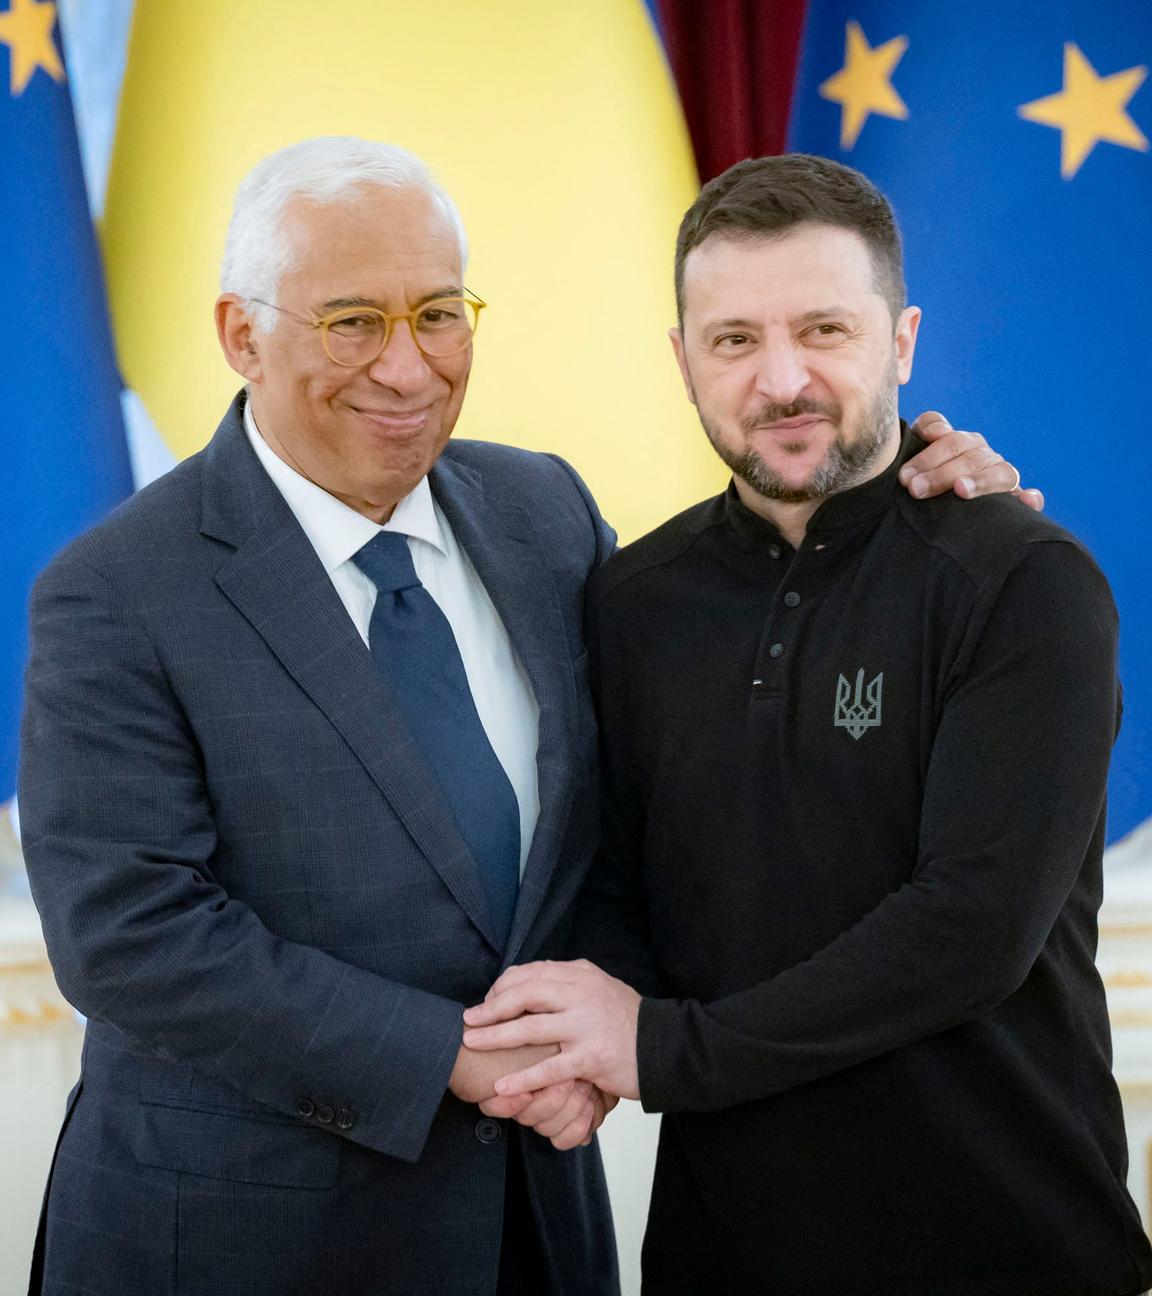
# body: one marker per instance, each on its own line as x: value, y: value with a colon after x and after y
x: 339, y: 303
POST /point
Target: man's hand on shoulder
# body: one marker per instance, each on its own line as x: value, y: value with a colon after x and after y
x: 962, y: 462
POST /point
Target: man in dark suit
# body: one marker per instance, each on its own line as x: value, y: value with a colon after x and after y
x: 250, y: 879
x: 308, y: 759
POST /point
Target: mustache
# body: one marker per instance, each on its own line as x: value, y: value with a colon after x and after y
x: 771, y: 412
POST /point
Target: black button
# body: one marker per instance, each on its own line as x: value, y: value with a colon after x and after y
x: 345, y: 1118
x: 305, y: 1108
x: 324, y: 1114
x: 792, y: 599
x: 774, y: 551
x: 488, y: 1131
x: 777, y: 650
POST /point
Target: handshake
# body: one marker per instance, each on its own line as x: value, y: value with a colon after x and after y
x: 553, y: 1046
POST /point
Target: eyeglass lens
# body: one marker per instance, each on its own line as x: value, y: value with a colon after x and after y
x: 441, y: 328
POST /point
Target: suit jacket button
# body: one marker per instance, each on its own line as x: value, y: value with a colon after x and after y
x: 488, y: 1131
x: 345, y: 1118
x: 324, y: 1114
x: 305, y: 1108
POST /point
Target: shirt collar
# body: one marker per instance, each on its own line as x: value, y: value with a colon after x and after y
x: 335, y: 530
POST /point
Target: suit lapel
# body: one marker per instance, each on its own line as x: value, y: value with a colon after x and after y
x: 501, y: 541
x: 274, y: 579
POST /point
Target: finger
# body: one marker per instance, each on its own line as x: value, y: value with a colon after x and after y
x: 962, y: 473
x: 951, y: 445
x: 576, y: 1107
x: 599, y: 1111
x: 533, y: 1028
x: 579, y: 1115
x: 970, y: 489
x: 578, y: 1122
x: 602, y: 1105
x: 577, y: 1133
x: 553, y: 1070
x: 608, y: 1101
x: 546, y: 1105
x: 543, y: 970
x: 994, y: 478
x: 506, y: 1108
x: 605, y: 1104
x: 534, y: 996
x: 930, y: 425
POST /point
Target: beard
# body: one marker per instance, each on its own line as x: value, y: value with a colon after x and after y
x: 846, y: 464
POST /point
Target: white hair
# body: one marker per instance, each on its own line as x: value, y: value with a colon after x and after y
x: 331, y: 168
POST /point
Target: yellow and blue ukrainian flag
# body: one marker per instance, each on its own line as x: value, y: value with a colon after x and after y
x: 1013, y: 141
x: 557, y: 129
x: 65, y: 458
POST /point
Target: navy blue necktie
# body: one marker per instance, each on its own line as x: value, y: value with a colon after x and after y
x: 414, y: 649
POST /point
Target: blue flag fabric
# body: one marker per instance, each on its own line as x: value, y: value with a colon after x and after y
x: 65, y: 453
x: 1013, y: 142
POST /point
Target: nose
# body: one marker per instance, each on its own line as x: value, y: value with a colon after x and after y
x: 401, y: 366
x: 781, y: 372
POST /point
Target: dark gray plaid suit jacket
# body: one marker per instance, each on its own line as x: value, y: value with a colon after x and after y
x: 253, y: 889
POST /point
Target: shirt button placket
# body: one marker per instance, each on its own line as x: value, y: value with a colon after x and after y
x: 768, y: 681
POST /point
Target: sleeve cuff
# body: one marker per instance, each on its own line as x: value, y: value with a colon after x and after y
x: 411, y: 1094
x: 657, y: 1031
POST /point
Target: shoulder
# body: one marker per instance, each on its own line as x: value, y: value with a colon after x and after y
x: 1014, y: 560
x: 634, y: 567
x: 510, y: 467
x: 544, y: 486
x: 156, y: 520
x: 989, y: 535
x: 492, y: 457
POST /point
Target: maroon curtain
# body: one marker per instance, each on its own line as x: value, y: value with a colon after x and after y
x: 735, y: 64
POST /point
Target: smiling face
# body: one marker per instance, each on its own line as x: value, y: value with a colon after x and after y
x: 789, y: 353
x: 369, y: 434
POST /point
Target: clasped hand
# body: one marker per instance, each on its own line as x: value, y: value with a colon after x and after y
x: 590, y: 1016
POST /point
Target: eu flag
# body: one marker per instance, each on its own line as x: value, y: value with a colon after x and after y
x: 65, y: 457
x: 1013, y: 141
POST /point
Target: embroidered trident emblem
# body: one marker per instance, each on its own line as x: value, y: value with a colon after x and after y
x: 861, y: 711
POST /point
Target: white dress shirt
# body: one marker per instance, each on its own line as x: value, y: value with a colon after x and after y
x: 500, y: 688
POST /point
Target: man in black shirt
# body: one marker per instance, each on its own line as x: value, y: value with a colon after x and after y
x: 855, y: 755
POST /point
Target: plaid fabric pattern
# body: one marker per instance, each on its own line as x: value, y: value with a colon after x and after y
x: 252, y: 887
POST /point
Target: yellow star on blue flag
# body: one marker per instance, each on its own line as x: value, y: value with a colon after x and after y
x: 1090, y: 109
x: 26, y: 28
x: 864, y: 84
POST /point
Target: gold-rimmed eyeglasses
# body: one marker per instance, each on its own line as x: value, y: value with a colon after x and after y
x: 356, y: 335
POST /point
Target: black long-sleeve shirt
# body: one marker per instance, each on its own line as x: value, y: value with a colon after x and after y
x: 854, y: 825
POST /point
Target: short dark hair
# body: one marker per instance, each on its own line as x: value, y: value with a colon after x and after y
x: 767, y: 196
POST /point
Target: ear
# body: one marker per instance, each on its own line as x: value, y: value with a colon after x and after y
x: 676, y: 337
x: 238, y: 339
x: 907, y: 330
